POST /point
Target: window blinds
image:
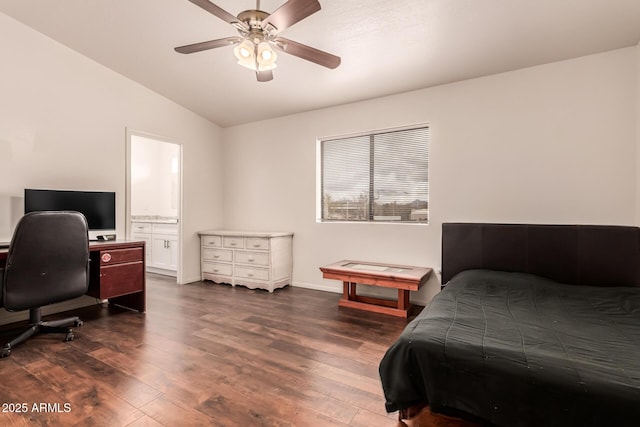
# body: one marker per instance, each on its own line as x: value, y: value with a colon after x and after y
x: 381, y: 176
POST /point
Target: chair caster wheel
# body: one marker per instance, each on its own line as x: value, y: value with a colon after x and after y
x: 6, y: 351
x: 69, y: 336
x: 78, y: 323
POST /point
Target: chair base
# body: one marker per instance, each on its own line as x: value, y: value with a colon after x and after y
x: 37, y: 326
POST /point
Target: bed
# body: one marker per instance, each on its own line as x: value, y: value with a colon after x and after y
x: 536, y: 325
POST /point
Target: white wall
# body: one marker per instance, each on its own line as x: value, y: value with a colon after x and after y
x: 62, y: 125
x: 638, y: 134
x: 11, y: 210
x: 154, y: 177
x: 549, y: 144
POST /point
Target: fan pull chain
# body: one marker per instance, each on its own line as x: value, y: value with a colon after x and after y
x: 257, y: 4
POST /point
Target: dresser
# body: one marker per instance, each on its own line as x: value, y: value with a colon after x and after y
x: 257, y: 260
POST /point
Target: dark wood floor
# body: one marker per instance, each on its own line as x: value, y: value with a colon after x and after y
x: 206, y: 355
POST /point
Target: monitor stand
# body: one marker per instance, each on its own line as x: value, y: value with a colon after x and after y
x: 100, y: 235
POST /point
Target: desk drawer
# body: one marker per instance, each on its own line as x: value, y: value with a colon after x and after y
x: 118, y: 256
x: 120, y: 279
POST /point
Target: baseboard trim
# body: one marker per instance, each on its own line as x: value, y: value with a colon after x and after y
x: 7, y: 317
x: 336, y: 289
x: 188, y: 280
x: 162, y: 271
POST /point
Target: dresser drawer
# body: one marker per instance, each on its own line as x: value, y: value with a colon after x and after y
x: 252, y: 273
x: 260, y: 243
x: 217, y: 255
x: 215, y: 268
x: 212, y: 241
x: 233, y: 242
x: 258, y: 258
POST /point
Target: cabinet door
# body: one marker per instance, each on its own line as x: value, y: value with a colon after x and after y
x: 164, y: 251
x: 121, y: 279
x: 147, y: 243
x: 172, y: 244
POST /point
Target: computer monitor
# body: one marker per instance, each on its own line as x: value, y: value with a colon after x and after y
x: 99, y: 207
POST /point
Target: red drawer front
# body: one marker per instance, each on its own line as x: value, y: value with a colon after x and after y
x: 121, y: 279
x: 117, y: 256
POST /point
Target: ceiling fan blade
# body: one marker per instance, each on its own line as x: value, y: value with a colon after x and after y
x: 220, y: 13
x: 264, y: 76
x: 211, y: 44
x: 307, y: 52
x: 289, y: 13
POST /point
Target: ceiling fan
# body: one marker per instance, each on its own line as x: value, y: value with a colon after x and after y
x: 259, y: 36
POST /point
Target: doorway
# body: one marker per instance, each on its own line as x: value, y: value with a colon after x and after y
x: 154, y: 201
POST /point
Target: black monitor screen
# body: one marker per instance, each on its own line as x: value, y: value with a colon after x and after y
x: 99, y: 207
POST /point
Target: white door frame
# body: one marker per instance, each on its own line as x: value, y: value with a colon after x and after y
x: 129, y: 134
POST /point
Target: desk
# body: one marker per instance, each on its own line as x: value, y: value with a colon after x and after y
x: 116, y: 272
x: 404, y: 278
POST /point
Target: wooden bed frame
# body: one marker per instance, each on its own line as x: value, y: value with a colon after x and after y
x: 590, y: 255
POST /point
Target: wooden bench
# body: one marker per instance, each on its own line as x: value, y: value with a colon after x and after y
x: 404, y: 278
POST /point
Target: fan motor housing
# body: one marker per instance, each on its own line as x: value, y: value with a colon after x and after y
x: 253, y: 17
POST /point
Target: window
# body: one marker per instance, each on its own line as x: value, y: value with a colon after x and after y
x: 377, y: 177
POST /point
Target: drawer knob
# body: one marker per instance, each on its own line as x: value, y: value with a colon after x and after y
x: 256, y: 245
x: 250, y: 274
x: 216, y: 256
x: 251, y: 259
x: 106, y: 257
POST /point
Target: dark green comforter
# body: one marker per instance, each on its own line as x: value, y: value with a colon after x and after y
x: 519, y: 350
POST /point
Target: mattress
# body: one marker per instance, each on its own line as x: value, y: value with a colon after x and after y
x: 515, y: 349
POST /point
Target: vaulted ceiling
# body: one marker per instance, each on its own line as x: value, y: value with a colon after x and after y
x: 386, y: 46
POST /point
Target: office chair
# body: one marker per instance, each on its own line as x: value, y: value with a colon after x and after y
x: 47, y: 262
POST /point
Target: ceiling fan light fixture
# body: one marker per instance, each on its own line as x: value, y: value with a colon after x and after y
x: 266, y: 57
x: 260, y: 35
x: 245, y: 53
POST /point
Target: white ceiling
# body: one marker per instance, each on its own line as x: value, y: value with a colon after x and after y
x: 386, y: 46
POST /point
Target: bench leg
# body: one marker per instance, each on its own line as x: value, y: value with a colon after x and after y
x: 403, y: 299
x: 349, y: 291
x: 352, y: 291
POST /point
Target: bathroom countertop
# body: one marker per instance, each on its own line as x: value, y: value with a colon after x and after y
x: 155, y: 219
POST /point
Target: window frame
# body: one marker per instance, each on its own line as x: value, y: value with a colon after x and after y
x: 369, y: 133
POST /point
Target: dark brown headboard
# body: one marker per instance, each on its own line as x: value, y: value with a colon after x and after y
x: 594, y: 255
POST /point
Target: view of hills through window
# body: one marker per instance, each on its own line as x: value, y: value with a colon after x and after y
x: 376, y: 177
